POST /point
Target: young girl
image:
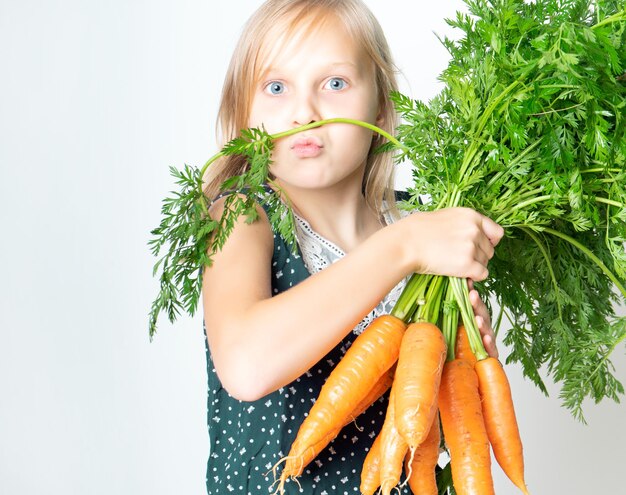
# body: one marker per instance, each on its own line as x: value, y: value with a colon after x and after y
x: 277, y: 323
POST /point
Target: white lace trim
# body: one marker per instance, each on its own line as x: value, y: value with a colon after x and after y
x: 318, y: 253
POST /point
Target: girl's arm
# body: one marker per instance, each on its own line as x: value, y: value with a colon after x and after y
x: 260, y: 343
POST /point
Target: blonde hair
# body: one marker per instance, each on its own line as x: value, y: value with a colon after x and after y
x: 247, y: 64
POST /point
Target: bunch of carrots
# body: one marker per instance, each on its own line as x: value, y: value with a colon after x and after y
x: 440, y: 378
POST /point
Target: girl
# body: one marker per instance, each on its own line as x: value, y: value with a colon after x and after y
x: 277, y: 323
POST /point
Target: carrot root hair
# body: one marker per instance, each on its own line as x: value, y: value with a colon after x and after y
x: 281, y: 487
x: 274, y: 468
x: 409, y: 473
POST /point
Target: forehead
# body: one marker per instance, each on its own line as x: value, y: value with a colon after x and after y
x: 314, y: 38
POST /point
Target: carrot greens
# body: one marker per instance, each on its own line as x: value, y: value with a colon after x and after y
x: 529, y: 129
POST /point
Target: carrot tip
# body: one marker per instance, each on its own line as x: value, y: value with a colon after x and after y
x: 274, y: 467
x: 297, y: 482
x: 281, y: 487
x: 388, y: 485
x: 280, y: 490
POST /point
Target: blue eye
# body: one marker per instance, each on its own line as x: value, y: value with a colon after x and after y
x: 336, y: 84
x: 275, y: 88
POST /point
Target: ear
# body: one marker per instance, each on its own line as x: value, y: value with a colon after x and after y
x: 380, y: 118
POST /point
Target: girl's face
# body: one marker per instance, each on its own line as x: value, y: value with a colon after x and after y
x: 314, y: 77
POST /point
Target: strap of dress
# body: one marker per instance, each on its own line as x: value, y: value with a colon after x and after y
x: 288, y: 268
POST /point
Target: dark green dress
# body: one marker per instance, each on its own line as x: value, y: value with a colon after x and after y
x: 247, y: 439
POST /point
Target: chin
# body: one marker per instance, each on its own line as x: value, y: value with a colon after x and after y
x: 305, y: 181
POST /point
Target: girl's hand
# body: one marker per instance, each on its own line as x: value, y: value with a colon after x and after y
x: 483, y: 320
x: 457, y: 242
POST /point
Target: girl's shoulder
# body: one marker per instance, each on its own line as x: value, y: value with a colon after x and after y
x: 287, y: 266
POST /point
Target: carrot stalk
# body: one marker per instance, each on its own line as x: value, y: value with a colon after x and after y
x: 416, y: 384
x: 500, y: 421
x: 429, y: 305
x: 420, y: 471
x: 461, y: 295
x: 411, y: 297
x: 450, y: 321
x: 464, y: 429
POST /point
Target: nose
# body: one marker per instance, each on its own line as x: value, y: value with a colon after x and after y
x: 305, y: 110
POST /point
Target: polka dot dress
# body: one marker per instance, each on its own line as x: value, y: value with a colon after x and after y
x: 248, y: 439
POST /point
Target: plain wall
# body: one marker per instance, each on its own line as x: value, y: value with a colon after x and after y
x: 97, y: 100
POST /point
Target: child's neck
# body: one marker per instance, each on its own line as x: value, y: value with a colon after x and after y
x: 337, y: 214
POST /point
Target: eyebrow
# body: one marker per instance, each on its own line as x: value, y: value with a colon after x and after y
x: 331, y: 66
x: 344, y: 64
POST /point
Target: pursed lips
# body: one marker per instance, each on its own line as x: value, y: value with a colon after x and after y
x: 307, y: 147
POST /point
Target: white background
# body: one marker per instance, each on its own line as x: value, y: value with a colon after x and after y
x: 97, y: 100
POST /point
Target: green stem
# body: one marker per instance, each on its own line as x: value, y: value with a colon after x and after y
x: 532, y: 201
x: 482, y: 122
x: 529, y: 194
x: 313, y: 125
x: 338, y: 120
x: 453, y: 198
x: 496, y: 327
x: 341, y: 120
x: 411, y: 297
x: 514, y: 162
x: 461, y: 295
x: 600, y: 169
x: 523, y: 204
x: 510, y: 198
x: 435, y: 308
x: 491, y: 108
x: 429, y: 311
x: 559, y: 86
x: 450, y: 322
x: 443, y: 153
x: 544, y: 252
x: 203, y: 204
x: 557, y: 110
x: 614, y: 18
x: 610, y: 202
x: 468, y: 158
x: 210, y: 161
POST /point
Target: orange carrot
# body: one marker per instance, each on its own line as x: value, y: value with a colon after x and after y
x: 500, y: 420
x: 462, y: 347
x: 377, y: 391
x: 421, y: 470
x: 371, y: 354
x: 381, y: 386
x: 370, y: 472
x: 393, y: 448
x: 416, y: 384
x: 464, y: 429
